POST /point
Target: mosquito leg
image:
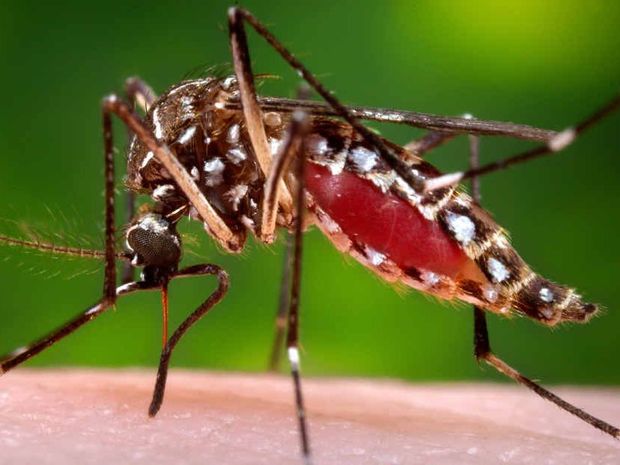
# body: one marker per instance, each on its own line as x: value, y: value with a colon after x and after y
x: 251, y: 110
x: 440, y: 123
x: 236, y: 18
x: 474, y: 162
x: 482, y: 345
x: 433, y: 139
x: 110, y: 291
x: 127, y: 274
x: 556, y: 144
x: 212, y: 300
x: 278, y: 169
x: 283, y: 305
x: 303, y: 92
x: 483, y: 352
x: 217, y: 228
x: 291, y: 152
x: 428, y: 142
x: 20, y: 355
x: 292, y: 339
x: 109, y: 280
x: 273, y: 183
x: 137, y: 92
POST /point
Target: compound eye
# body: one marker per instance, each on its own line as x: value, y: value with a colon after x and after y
x: 155, y: 241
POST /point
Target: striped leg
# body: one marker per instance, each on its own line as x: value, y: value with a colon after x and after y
x: 292, y: 339
x: 291, y: 154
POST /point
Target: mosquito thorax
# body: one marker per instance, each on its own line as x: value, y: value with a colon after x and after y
x: 212, y: 144
x: 155, y: 244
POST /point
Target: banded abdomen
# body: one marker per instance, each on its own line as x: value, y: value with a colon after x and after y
x: 441, y: 243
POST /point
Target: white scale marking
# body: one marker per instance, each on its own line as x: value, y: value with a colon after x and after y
x: 545, y: 294
x: 293, y: 357
x: 123, y: 288
x: 187, y: 107
x: 274, y: 146
x: 236, y: 194
x: 20, y: 350
x: 383, y: 180
x: 151, y: 222
x: 490, y: 293
x: 165, y: 190
x: 562, y: 140
x: 416, y: 174
x: 570, y: 295
x: 336, y: 166
x: 374, y: 257
x: 97, y: 308
x: 498, y: 270
x: 233, y: 134
x: 409, y: 192
x: 147, y: 158
x: 462, y: 226
x: 317, y: 144
x: 442, y: 181
x: 363, y: 159
x: 214, y: 169
x: 430, y: 211
x: 187, y: 135
x: 330, y: 225
x: 463, y: 200
x: 501, y: 240
x: 247, y: 222
x: 430, y: 279
x: 159, y: 133
x: 228, y: 82
x: 236, y: 155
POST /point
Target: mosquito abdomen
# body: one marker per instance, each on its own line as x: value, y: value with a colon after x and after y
x: 444, y: 244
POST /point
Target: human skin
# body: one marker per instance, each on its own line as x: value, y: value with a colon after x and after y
x: 81, y: 416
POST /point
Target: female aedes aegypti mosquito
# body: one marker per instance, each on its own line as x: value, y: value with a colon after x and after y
x: 212, y: 150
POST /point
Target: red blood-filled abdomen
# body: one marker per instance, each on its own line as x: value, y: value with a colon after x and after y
x: 385, y: 222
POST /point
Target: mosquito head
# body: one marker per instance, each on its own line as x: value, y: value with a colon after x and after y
x: 156, y: 245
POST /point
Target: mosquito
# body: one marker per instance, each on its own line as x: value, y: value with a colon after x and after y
x: 211, y: 149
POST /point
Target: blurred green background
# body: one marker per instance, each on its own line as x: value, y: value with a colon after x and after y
x: 543, y: 63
